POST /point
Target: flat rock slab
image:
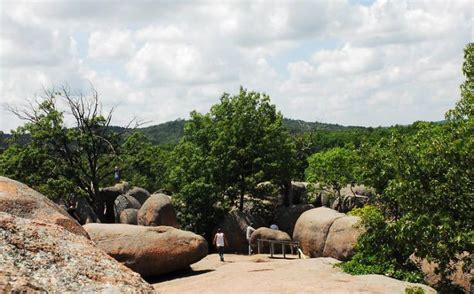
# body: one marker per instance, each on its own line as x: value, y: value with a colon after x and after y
x: 149, y: 251
x: 258, y: 273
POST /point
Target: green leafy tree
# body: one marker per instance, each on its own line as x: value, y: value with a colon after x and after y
x: 227, y: 152
x: 143, y: 164
x: 334, y: 167
x: 81, y: 155
x: 425, y: 179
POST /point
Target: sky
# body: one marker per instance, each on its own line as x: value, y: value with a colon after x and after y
x: 367, y: 63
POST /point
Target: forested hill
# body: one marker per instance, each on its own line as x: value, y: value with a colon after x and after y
x: 169, y: 133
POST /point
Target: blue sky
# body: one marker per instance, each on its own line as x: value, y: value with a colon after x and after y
x: 350, y: 62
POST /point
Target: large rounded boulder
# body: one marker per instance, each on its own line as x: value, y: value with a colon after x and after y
x: 139, y: 193
x: 234, y: 225
x: 342, y: 238
x: 129, y: 216
x: 286, y: 217
x: 39, y: 257
x: 123, y: 202
x: 149, y: 251
x: 268, y: 234
x: 311, y: 229
x: 157, y: 211
x: 20, y: 200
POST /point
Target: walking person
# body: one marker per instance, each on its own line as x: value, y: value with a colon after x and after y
x: 250, y: 230
x: 220, y: 241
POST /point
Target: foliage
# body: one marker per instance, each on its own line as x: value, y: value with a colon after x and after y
x: 379, y: 250
x: 426, y: 183
x: 227, y: 152
x: 78, y: 159
x: 334, y: 167
x: 142, y: 163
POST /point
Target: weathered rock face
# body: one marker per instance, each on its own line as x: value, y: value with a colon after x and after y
x: 157, y: 211
x: 349, y: 198
x: 342, y: 238
x: 149, y: 251
x: 458, y: 277
x: 286, y: 217
x: 317, y: 236
x: 139, y: 193
x: 297, y: 193
x: 268, y: 234
x: 46, y: 258
x: 123, y: 202
x: 234, y: 226
x: 22, y: 201
x: 86, y: 212
x: 129, y: 216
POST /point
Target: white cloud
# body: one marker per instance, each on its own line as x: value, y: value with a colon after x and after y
x: 384, y: 63
x: 110, y: 44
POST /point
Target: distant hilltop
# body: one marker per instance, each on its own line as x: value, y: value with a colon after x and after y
x: 169, y: 133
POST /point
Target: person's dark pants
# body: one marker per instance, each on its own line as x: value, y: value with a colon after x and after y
x: 220, y: 249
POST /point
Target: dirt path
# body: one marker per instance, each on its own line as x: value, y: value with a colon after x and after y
x: 259, y: 273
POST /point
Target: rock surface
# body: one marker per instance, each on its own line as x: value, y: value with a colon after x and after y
x: 286, y: 217
x: 342, y: 238
x: 106, y: 200
x: 258, y: 273
x: 149, y: 251
x: 268, y: 234
x: 234, y: 225
x: 139, y: 193
x: 157, y: 211
x: 129, y: 216
x: 37, y: 257
x: 20, y: 200
x: 86, y: 212
x: 325, y: 232
x: 123, y: 202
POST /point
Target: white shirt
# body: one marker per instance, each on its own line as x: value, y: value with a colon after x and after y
x: 220, y: 239
x: 250, y: 230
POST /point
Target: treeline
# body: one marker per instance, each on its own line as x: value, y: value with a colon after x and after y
x: 422, y: 173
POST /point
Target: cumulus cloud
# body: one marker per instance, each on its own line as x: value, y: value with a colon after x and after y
x: 382, y: 63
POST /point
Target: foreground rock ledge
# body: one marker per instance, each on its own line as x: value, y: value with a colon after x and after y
x: 37, y: 257
x: 149, y: 251
x: 20, y: 200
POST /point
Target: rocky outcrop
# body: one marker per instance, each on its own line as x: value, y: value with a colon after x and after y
x: 86, y: 212
x: 286, y: 217
x: 139, y: 193
x: 234, y: 226
x: 129, y: 216
x: 39, y: 257
x: 317, y: 236
x: 106, y: 199
x: 123, y: 202
x: 149, y: 251
x: 349, y: 198
x: 22, y: 201
x: 342, y: 238
x: 297, y: 193
x: 268, y: 234
x: 157, y: 211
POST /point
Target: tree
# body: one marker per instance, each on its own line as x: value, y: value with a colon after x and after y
x: 334, y: 167
x: 425, y: 179
x: 82, y: 154
x: 238, y: 144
